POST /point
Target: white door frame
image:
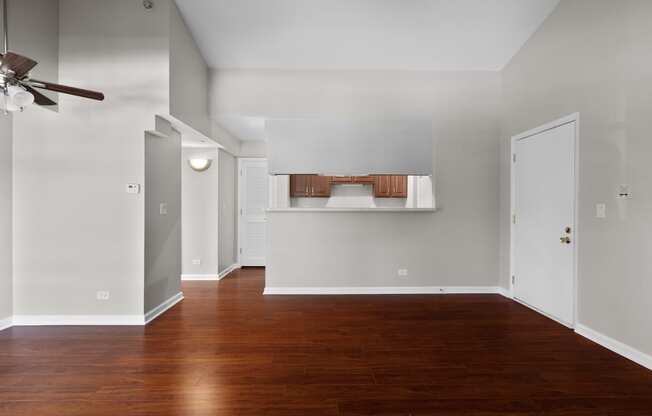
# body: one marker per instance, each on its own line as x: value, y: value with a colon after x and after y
x: 575, y: 117
x: 240, y: 204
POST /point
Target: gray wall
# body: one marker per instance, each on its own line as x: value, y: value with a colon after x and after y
x: 162, y: 232
x: 227, y: 210
x: 456, y: 246
x: 200, y: 213
x: 593, y: 57
x: 76, y: 229
x: 6, y: 250
x: 188, y: 76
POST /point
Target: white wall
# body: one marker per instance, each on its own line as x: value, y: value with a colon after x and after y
x: 76, y: 229
x: 200, y: 213
x: 253, y: 149
x: 188, y: 76
x: 162, y: 230
x: 456, y: 246
x: 228, y: 216
x: 6, y: 246
x: 593, y: 57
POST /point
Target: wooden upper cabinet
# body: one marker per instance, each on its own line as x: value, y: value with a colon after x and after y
x: 365, y: 180
x: 342, y: 179
x: 310, y: 186
x: 315, y: 186
x: 299, y: 186
x: 383, y: 187
x: 391, y: 187
x: 320, y: 186
x: 399, y: 186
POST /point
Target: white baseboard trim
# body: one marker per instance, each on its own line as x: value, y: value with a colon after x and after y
x: 77, y: 320
x: 616, y: 346
x: 199, y: 277
x: 157, y: 311
x: 6, y: 323
x: 504, y: 292
x: 228, y: 270
x: 399, y: 290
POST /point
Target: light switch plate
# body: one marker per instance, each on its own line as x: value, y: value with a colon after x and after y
x: 601, y: 210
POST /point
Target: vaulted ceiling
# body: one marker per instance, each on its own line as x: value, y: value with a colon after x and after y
x: 363, y: 34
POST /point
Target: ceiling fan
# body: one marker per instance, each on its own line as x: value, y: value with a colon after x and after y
x: 17, y: 88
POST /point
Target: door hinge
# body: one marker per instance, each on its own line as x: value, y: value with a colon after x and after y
x: 513, y: 280
x: 240, y: 250
x: 241, y: 212
x: 514, y: 219
x: 514, y: 158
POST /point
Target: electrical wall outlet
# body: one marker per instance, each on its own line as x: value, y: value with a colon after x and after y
x: 163, y: 208
x: 403, y: 272
x: 103, y: 295
x: 133, y: 188
x: 196, y: 262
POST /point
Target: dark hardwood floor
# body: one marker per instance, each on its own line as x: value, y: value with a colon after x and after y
x: 227, y: 350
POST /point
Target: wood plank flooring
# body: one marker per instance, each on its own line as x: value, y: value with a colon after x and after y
x: 228, y: 350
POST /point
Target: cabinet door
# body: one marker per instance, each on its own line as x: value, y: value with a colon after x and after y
x: 320, y: 186
x: 383, y: 187
x: 399, y: 186
x: 365, y: 180
x: 341, y: 179
x: 299, y: 186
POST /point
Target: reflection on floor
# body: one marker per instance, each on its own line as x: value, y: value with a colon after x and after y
x: 227, y: 350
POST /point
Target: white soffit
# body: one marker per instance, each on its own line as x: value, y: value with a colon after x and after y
x: 363, y: 34
x: 247, y: 129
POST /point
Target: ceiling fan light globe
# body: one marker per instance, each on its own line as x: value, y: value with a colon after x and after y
x: 19, y: 97
x: 6, y: 104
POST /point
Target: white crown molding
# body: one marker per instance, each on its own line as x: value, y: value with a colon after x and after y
x: 374, y: 290
x: 616, y: 346
x: 154, y: 313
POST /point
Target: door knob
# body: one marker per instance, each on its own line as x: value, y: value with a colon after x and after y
x: 565, y: 240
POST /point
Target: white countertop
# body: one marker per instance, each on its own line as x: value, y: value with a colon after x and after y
x: 352, y: 210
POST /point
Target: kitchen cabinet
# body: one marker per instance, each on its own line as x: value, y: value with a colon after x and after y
x: 391, y: 186
x: 315, y: 186
x: 399, y: 187
x: 383, y: 186
x: 310, y: 186
x: 320, y: 186
x: 299, y: 186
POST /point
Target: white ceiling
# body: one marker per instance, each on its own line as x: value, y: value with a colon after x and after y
x: 363, y: 34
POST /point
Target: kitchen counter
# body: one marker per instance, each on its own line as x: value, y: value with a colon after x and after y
x: 352, y: 210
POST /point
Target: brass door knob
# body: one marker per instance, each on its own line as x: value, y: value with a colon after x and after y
x: 565, y: 240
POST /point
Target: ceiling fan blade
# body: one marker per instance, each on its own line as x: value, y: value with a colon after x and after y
x: 39, y: 98
x: 93, y: 95
x: 19, y: 65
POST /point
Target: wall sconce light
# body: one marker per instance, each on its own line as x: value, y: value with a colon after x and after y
x: 200, y: 165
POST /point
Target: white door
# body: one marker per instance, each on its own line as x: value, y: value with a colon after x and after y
x: 544, y: 229
x: 253, y: 189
